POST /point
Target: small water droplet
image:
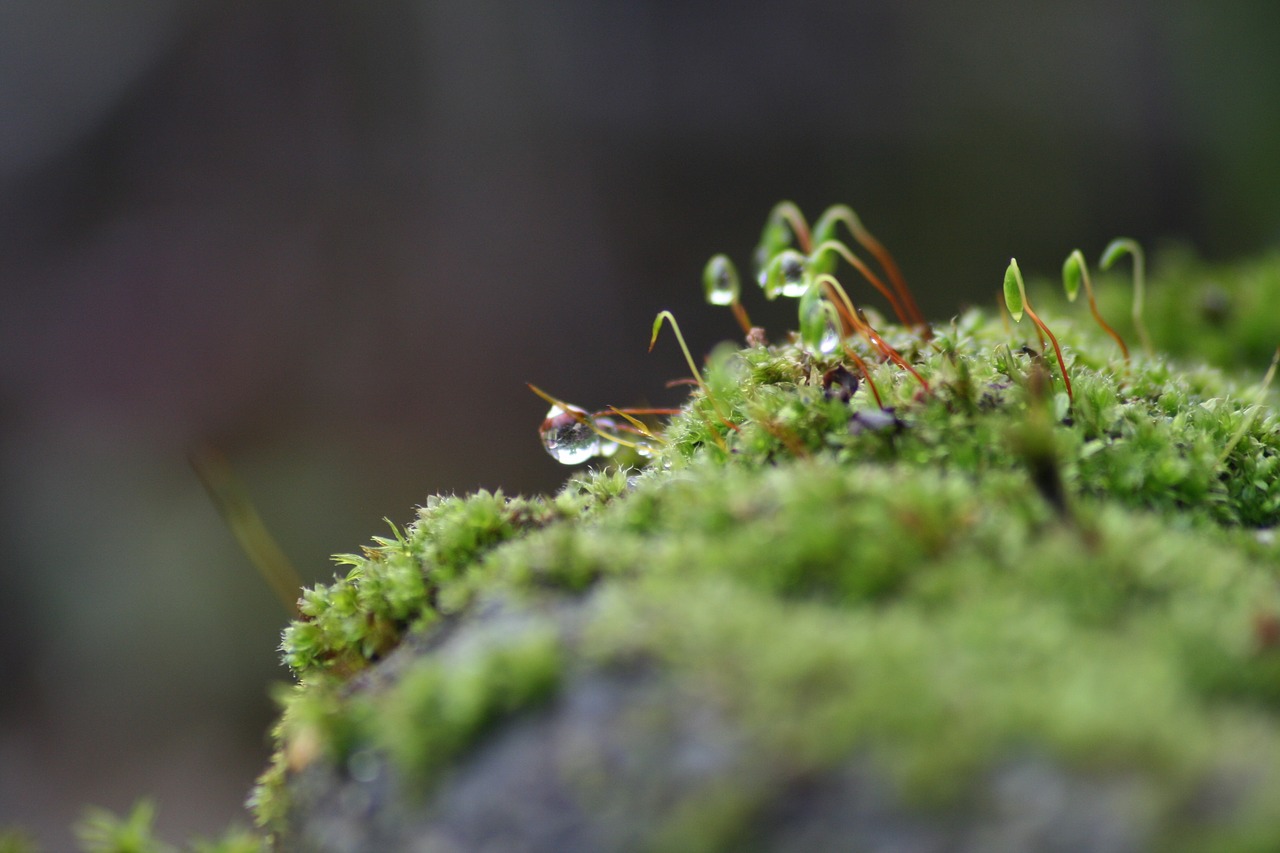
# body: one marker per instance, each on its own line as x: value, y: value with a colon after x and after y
x: 567, y: 436
x: 720, y: 281
x: 795, y: 281
x: 787, y: 274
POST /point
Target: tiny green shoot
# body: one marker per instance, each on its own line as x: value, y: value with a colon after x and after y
x: 1074, y: 272
x: 693, y: 368
x: 1015, y: 299
x: 1115, y: 250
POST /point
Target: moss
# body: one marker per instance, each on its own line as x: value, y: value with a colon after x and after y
x: 100, y: 831
x: 1089, y: 581
x: 1223, y: 314
x: 440, y: 707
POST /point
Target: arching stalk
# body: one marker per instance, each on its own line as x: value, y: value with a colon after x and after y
x: 825, y: 228
x: 788, y: 212
x: 693, y: 368
x: 784, y: 224
x: 1075, y: 271
x: 854, y: 261
x: 1115, y: 250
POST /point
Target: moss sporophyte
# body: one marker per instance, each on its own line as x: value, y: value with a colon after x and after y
x: 948, y: 564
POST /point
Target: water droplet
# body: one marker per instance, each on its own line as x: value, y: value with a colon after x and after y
x: 795, y: 280
x: 720, y: 281
x: 787, y: 274
x: 604, y: 447
x: 817, y: 322
x: 567, y: 436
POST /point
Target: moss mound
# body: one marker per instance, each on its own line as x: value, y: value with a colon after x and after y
x: 978, y: 613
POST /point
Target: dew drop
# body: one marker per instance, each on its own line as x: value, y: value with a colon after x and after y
x: 567, y: 437
x: 786, y: 275
x: 604, y: 447
x: 795, y: 280
x: 720, y: 281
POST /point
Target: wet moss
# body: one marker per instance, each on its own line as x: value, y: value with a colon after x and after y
x: 936, y: 588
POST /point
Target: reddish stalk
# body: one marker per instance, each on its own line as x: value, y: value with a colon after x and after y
x: 866, y: 373
x: 854, y: 261
x: 796, y: 222
x: 885, y: 259
x: 844, y: 306
x: 1062, y: 363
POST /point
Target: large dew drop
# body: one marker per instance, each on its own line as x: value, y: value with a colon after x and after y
x: 567, y: 437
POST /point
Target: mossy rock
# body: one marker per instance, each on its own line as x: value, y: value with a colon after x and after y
x: 979, y: 616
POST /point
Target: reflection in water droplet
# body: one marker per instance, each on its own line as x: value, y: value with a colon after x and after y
x: 830, y: 340
x: 794, y: 280
x: 604, y: 447
x: 720, y: 281
x: 567, y: 437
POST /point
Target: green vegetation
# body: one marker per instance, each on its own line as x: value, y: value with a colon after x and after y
x: 101, y: 831
x: 846, y: 552
x: 933, y: 550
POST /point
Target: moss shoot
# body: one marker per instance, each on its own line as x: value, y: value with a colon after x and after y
x: 933, y: 580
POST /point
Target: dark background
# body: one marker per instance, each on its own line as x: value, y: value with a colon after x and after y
x: 335, y: 239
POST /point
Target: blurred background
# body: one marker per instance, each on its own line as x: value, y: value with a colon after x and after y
x: 335, y: 239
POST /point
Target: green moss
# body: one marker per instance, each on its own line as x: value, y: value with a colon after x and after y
x: 395, y: 583
x: 440, y: 707
x: 100, y: 831
x: 1094, y: 581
